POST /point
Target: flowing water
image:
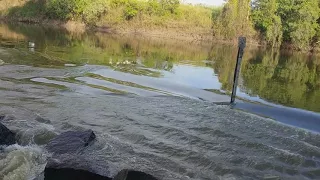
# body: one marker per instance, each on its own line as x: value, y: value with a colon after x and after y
x: 153, y: 105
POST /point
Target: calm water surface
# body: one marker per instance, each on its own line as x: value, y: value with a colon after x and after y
x: 151, y: 104
x: 284, y: 78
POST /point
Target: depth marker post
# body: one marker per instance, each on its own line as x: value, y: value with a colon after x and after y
x: 242, y: 45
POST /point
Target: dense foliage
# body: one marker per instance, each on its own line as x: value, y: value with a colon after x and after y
x: 294, y: 20
x: 276, y: 22
x: 233, y: 20
x: 142, y: 13
x: 267, y: 21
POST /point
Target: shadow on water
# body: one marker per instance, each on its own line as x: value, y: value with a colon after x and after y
x: 267, y: 76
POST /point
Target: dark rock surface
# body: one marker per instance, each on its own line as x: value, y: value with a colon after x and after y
x: 68, y: 162
x: 78, y: 174
x: 127, y: 174
x: 70, y: 142
x: 7, y: 137
x: 81, y: 162
x: 71, y: 174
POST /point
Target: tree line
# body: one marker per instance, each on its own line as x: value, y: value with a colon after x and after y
x: 112, y: 13
x: 274, y: 22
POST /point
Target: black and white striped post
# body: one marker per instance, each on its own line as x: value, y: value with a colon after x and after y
x: 242, y: 45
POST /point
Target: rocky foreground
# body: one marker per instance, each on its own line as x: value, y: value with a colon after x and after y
x: 67, y: 163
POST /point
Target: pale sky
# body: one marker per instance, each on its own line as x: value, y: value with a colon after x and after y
x: 208, y: 2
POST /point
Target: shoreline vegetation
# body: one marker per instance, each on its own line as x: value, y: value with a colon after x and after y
x: 267, y: 23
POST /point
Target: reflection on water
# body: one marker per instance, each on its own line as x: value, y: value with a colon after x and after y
x: 289, y: 79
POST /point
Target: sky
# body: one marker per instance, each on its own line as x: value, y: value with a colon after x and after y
x: 208, y: 2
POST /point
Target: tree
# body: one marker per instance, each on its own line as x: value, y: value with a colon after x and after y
x: 216, y: 21
x: 306, y: 25
x: 235, y: 19
x: 299, y: 21
x: 266, y: 20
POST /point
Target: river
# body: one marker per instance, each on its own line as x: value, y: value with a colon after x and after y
x: 155, y: 105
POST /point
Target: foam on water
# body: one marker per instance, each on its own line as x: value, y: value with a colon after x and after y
x: 40, y: 134
x: 22, y: 162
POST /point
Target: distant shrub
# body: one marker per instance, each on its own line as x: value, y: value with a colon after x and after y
x: 29, y: 10
x: 170, y: 5
x: 95, y: 10
x: 87, y: 10
x: 131, y: 10
x: 153, y: 7
x: 60, y: 9
x: 118, y: 3
x: 130, y: 7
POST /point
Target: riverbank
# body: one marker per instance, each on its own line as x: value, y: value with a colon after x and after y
x: 165, y: 20
x: 196, y: 36
x: 130, y: 29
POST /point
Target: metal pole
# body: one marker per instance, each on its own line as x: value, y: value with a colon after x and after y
x: 242, y: 45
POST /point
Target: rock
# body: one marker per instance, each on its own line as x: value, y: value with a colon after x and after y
x: 42, y: 120
x: 68, y: 163
x: 6, y: 136
x: 127, y: 174
x: 71, y: 174
x: 82, y: 162
x: 70, y: 142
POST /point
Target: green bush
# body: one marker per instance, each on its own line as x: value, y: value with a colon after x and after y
x: 131, y: 10
x: 29, y: 10
x: 87, y: 10
x: 80, y: 6
x: 95, y: 10
x: 118, y: 3
x: 60, y: 9
x: 153, y: 8
x: 131, y: 7
x: 170, y: 5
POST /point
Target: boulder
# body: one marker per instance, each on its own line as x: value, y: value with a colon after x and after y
x: 127, y: 174
x: 69, y: 163
x: 71, y: 174
x: 6, y: 136
x: 70, y: 142
x: 82, y: 162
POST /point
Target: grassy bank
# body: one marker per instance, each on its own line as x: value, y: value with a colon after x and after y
x: 168, y: 19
